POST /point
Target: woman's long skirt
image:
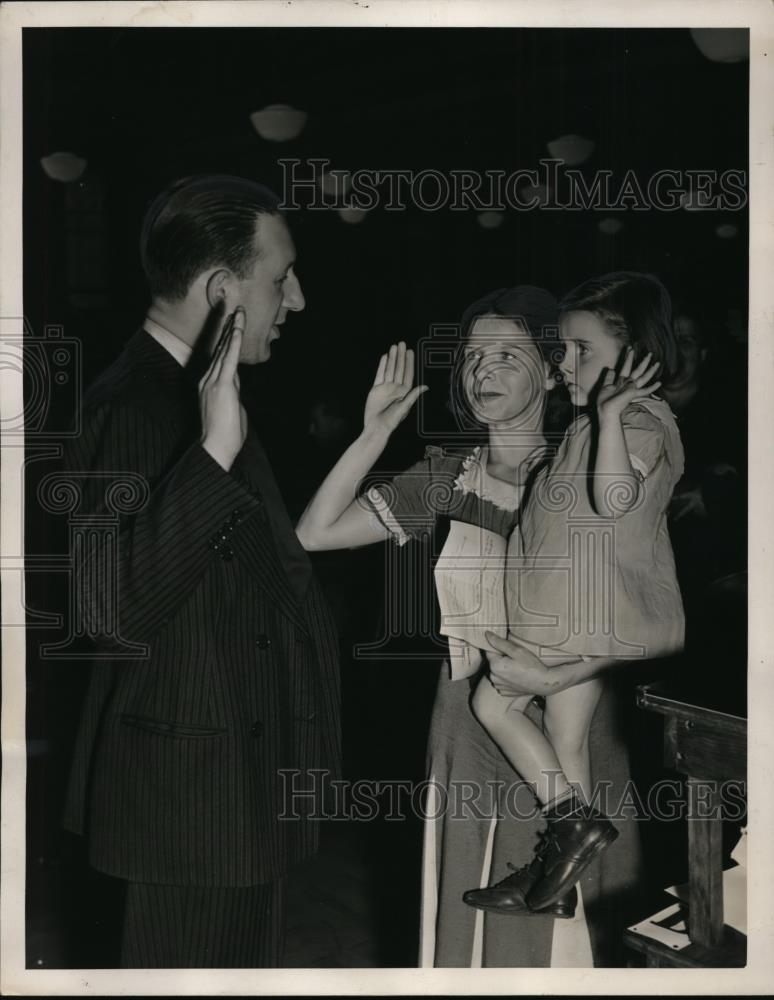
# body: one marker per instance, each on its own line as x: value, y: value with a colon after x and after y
x: 480, y: 815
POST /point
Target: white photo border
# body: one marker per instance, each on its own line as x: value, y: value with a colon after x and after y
x: 758, y: 976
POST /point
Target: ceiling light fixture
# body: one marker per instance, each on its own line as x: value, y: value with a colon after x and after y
x: 278, y: 122
x: 491, y: 220
x: 725, y: 45
x: 64, y: 167
x: 571, y: 149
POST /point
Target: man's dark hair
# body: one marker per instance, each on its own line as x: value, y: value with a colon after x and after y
x: 198, y: 223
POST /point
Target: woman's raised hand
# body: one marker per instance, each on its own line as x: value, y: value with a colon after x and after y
x: 617, y: 391
x: 392, y: 395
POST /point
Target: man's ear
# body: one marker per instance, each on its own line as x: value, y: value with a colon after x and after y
x: 219, y: 289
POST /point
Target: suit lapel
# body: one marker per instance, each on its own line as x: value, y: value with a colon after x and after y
x: 257, y: 553
x: 274, y: 556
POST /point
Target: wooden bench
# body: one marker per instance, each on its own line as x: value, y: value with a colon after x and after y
x: 707, y: 746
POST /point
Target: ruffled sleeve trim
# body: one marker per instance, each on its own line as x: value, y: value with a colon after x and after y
x: 475, y: 479
x: 382, y: 510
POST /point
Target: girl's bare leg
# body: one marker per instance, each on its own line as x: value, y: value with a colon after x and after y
x: 549, y: 759
x: 526, y: 748
x: 566, y: 723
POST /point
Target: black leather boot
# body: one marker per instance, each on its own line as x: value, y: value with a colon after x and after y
x: 576, y: 834
x: 510, y: 895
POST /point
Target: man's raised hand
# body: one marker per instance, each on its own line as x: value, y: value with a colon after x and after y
x: 224, y: 421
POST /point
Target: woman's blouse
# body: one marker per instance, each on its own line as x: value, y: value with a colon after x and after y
x: 446, y: 483
x: 449, y: 485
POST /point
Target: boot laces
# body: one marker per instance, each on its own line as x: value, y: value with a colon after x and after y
x: 520, y: 868
x: 546, y: 840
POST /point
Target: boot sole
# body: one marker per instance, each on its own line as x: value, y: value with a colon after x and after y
x: 526, y: 912
x: 604, y: 841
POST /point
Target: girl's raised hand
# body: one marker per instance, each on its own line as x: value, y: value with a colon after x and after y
x: 392, y: 395
x: 617, y: 391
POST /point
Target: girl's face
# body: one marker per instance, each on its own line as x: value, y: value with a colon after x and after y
x: 503, y: 374
x: 589, y: 347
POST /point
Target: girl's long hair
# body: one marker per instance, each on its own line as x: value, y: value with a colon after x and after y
x: 635, y: 307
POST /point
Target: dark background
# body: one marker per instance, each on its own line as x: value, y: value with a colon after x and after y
x: 145, y: 106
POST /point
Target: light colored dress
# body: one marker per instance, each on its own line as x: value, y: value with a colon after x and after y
x: 471, y: 784
x: 595, y: 585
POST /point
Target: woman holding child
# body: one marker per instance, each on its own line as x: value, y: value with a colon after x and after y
x: 496, y: 770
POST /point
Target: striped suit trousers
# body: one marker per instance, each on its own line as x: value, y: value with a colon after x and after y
x: 190, y: 927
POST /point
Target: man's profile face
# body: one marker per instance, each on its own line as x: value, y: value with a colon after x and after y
x: 270, y: 291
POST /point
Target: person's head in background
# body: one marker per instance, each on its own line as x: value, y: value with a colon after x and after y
x: 330, y: 422
x: 692, y: 343
x: 736, y: 325
x: 504, y: 368
x: 603, y: 316
x: 212, y: 243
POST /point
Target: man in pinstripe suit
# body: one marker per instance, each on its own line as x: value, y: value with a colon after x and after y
x: 232, y: 669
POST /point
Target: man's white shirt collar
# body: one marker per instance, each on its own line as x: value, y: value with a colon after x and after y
x: 179, y: 350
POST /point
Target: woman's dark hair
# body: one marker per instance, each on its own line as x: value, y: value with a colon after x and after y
x: 635, y: 307
x: 198, y: 223
x: 534, y: 308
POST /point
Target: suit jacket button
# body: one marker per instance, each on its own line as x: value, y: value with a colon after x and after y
x: 256, y: 729
x: 263, y: 642
x: 227, y: 555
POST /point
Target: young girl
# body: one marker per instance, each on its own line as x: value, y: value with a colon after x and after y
x: 593, y: 580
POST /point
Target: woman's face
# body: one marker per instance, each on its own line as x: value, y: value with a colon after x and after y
x: 589, y: 347
x: 504, y: 376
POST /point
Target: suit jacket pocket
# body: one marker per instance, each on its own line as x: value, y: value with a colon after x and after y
x: 161, y: 727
